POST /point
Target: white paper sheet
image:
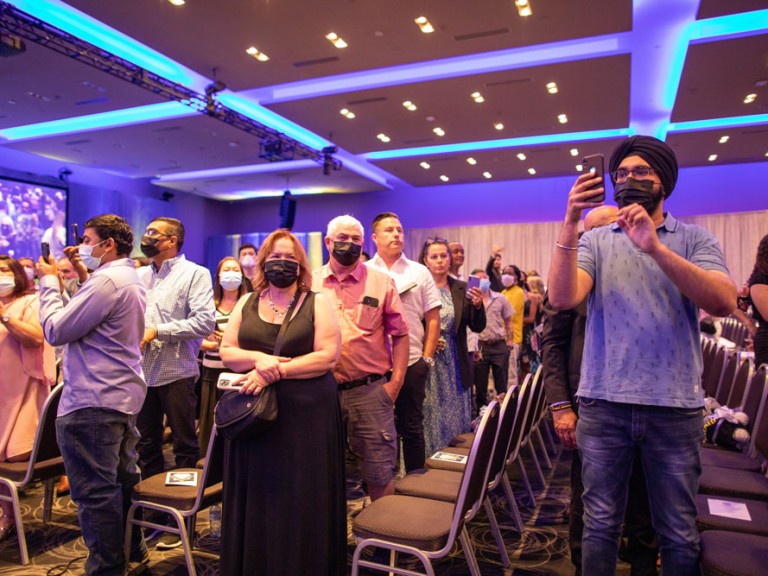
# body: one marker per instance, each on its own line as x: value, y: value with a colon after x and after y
x: 729, y: 509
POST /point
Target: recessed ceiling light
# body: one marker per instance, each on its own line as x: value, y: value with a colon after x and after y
x: 424, y: 25
x: 552, y: 88
x: 487, y: 175
x: 383, y: 137
x: 408, y: 105
x: 336, y: 40
x: 562, y: 118
x: 477, y: 97
x: 177, y: 2
x: 425, y: 165
x: 574, y: 151
x: 724, y: 139
x: 498, y: 126
x: 579, y: 168
x: 750, y: 98
x: 256, y: 53
x: 439, y: 131
x: 444, y: 178
x: 346, y: 112
x: 531, y: 171
x: 521, y: 156
x: 471, y: 161
x: 523, y: 8
x: 712, y: 157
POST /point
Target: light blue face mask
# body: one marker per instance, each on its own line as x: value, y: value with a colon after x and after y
x: 485, y: 284
x: 85, y: 251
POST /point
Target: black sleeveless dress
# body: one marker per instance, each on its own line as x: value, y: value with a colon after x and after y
x: 284, y: 509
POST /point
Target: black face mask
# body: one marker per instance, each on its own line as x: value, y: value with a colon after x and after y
x: 149, y: 246
x: 281, y: 273
x: 346, y: 253
x: 637, y: 192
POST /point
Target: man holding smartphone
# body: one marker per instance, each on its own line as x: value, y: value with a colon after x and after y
x: 645, y: 277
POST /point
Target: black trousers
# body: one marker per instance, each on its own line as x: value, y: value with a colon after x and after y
x: 494, y: 358
x: 409, y: 415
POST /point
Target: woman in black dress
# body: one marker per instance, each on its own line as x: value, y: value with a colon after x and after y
x: 284, y: 509
x: 758, y: 294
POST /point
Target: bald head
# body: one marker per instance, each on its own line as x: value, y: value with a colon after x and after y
x: 600, y: 216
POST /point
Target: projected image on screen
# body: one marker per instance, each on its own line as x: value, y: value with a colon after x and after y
x: 31, y: 214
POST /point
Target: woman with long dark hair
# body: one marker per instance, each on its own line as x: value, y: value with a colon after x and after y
x: 758, y: 294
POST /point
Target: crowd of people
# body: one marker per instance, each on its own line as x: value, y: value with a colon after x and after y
x: 385, y: 357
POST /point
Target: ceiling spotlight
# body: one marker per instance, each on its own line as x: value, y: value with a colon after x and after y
x: 477, y: 97
x: 346, y: 112
x: 425, y: 165
x: 487, y: 175
x: 562, y: 118
x: 521, y: 156
x: 260, y: 56
x: 408, y: 105
x: 498, y: 126
x: 750, y: 98
x: 523, y: 8
x: 383, y: 137
x: 712, y: 157
x: 336, y: 40
x: 531, y: 171
x: 574, y: 151
x: 579, y: 168
x: 424, y: 25
x: 724, y: 139
x: 444, y: 178
x: 439, y: 131
x: 552, y: 88
x: 471, y: 161
x: 177, y: 2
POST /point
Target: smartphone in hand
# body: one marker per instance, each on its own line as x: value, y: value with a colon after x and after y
x: 473, y: 282
x: 595, y: 164
x: 45, y: 249
x: 76, y: 234
x: 231, y: 381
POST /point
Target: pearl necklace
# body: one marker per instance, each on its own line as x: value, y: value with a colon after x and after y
x: 280, y: 313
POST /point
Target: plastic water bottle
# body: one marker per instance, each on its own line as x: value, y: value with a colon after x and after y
x: 214, y: 518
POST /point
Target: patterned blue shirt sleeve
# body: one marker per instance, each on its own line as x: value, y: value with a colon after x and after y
x: 586, y: 258
x: 201, y: 320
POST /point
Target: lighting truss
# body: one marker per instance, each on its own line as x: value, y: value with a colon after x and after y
x: 19, y: 23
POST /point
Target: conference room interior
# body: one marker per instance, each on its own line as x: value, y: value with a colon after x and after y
x: 469, y: 120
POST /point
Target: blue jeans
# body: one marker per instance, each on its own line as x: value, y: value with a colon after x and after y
x: 99, y: 450
x: 668, y: 440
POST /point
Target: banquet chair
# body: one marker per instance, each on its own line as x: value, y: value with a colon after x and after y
x: 732, y: 554
x: 713, y: 372
x: 744, y: 371
x: 182, y: 503
x: 726, y: 379
x: 44, y: 464
x: 426, y: 528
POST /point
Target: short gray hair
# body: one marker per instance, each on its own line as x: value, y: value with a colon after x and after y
x: 344, y: 221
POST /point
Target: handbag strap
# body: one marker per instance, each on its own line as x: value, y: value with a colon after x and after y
x: 284, y: 325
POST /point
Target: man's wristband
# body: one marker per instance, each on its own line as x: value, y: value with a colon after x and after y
x: 564, y: 247
x: 557, y: 406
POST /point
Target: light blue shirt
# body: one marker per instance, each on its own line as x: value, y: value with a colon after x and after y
x: 642, y: 336
x: 101, y: 327
x: 180, y: 305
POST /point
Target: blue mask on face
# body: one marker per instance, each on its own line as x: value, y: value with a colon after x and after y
x: 485, y: 284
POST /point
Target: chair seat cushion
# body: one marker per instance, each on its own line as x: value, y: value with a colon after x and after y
x: 729, y: 482
x: 446, y: 465
x: 463, y: 440
x: 182, y: 498
x: 732, y: 554
x: 440, y: 485
x: 416, y: 522
x: 758, y: 512
x: 729, y: 459
x: 17, y: 471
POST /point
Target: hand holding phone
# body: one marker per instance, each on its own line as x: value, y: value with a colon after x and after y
x: 45, y: 249
x: 595, y: 164
x: 76, y: 234
x: 473, y: 282
x: 231, y: 381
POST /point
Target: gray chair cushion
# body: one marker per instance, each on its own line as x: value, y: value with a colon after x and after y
x: 17, y: 471
x: 733, y: 554
x: 440, y: 485
x: 180, y: 497
x: 740, y: 483
x: 729, y: 459
x: 463, y: 440
x: 758, y: 512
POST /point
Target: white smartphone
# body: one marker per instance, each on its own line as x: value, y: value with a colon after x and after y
x: 231, y: 381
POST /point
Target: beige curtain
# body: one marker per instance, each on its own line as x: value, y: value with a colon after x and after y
x: 530, y: 245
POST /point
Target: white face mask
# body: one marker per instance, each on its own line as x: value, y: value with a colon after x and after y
x: 230, y: 280
x: 248, y: 261
x: 508, y: 280
x: 85, y: 251
x: 7, y: 285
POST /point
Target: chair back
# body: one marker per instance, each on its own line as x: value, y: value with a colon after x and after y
x: 212, y: 473
x: 535, y: 406
x: 742, y: 379
x: 707, y: 355
x: 726, y: 378
x: 711, y: 376
x: 45, y: 446
x: 507, y: 418
x: 758, y: 421
x: 523, y: 405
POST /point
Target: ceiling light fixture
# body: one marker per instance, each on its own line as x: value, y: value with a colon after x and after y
x: 579, y: 168
x: 477, y: 97
x: 383, y: 137
x: 425, y: 165
x: 521, y: 156
x: 177, y: 2
x: 532, y: 171
x: 487, y: 175
x: 750, y: 98
x: 408, y: 105
x: 552, y: 88
x: 256, y: 53
x: 471, y: 161
x: 712, y: 157
x: 444, y: 178
x: 336, y: 40
x: 574, y: 151
x: 523, y: 8
x: 562, y: 118
x: 498, y: 126
x: 724, y: 139
x: 424, y: 25
x: 346, y: 112
x: 439, y: 131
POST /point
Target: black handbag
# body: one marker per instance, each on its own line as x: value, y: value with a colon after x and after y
x: 240, y: 416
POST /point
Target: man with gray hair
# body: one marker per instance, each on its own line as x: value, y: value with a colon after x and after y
x: 369, y: 311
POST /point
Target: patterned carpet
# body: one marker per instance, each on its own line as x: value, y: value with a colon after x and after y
x: 541, y: 550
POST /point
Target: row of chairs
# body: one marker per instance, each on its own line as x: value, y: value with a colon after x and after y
x: 734, y: 331
x: 725, y: 373
x: 431, y: 507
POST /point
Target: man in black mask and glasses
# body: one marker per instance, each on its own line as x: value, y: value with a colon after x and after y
x: 645, y: 278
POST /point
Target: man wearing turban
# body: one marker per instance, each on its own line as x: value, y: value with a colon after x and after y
x: 640, y: 390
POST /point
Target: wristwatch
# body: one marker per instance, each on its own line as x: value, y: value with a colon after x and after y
x: 7, y: 317
x: 429, y: 361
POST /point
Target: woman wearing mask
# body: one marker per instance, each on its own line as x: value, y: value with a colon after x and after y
x: 758, y: 294
x: 448, y: 402
x: 27, y: 366
x: 275, y: 521
x: 228, y: 287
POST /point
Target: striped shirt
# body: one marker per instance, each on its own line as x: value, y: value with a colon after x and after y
x: 212, y: 358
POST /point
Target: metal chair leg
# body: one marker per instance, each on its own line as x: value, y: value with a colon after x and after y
x: 495, y: 531
x: 524, y: 474
x: 48, y: 487
x: 547, y: 461
x: 469, y: 552
x: 513, y: 509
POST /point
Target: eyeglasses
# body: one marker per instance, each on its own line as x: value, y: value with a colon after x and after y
x: 152, y: 233
x: 639, y: 172
x: 431, y: 241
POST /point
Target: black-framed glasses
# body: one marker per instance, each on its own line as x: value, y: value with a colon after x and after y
x: 638, y: 172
